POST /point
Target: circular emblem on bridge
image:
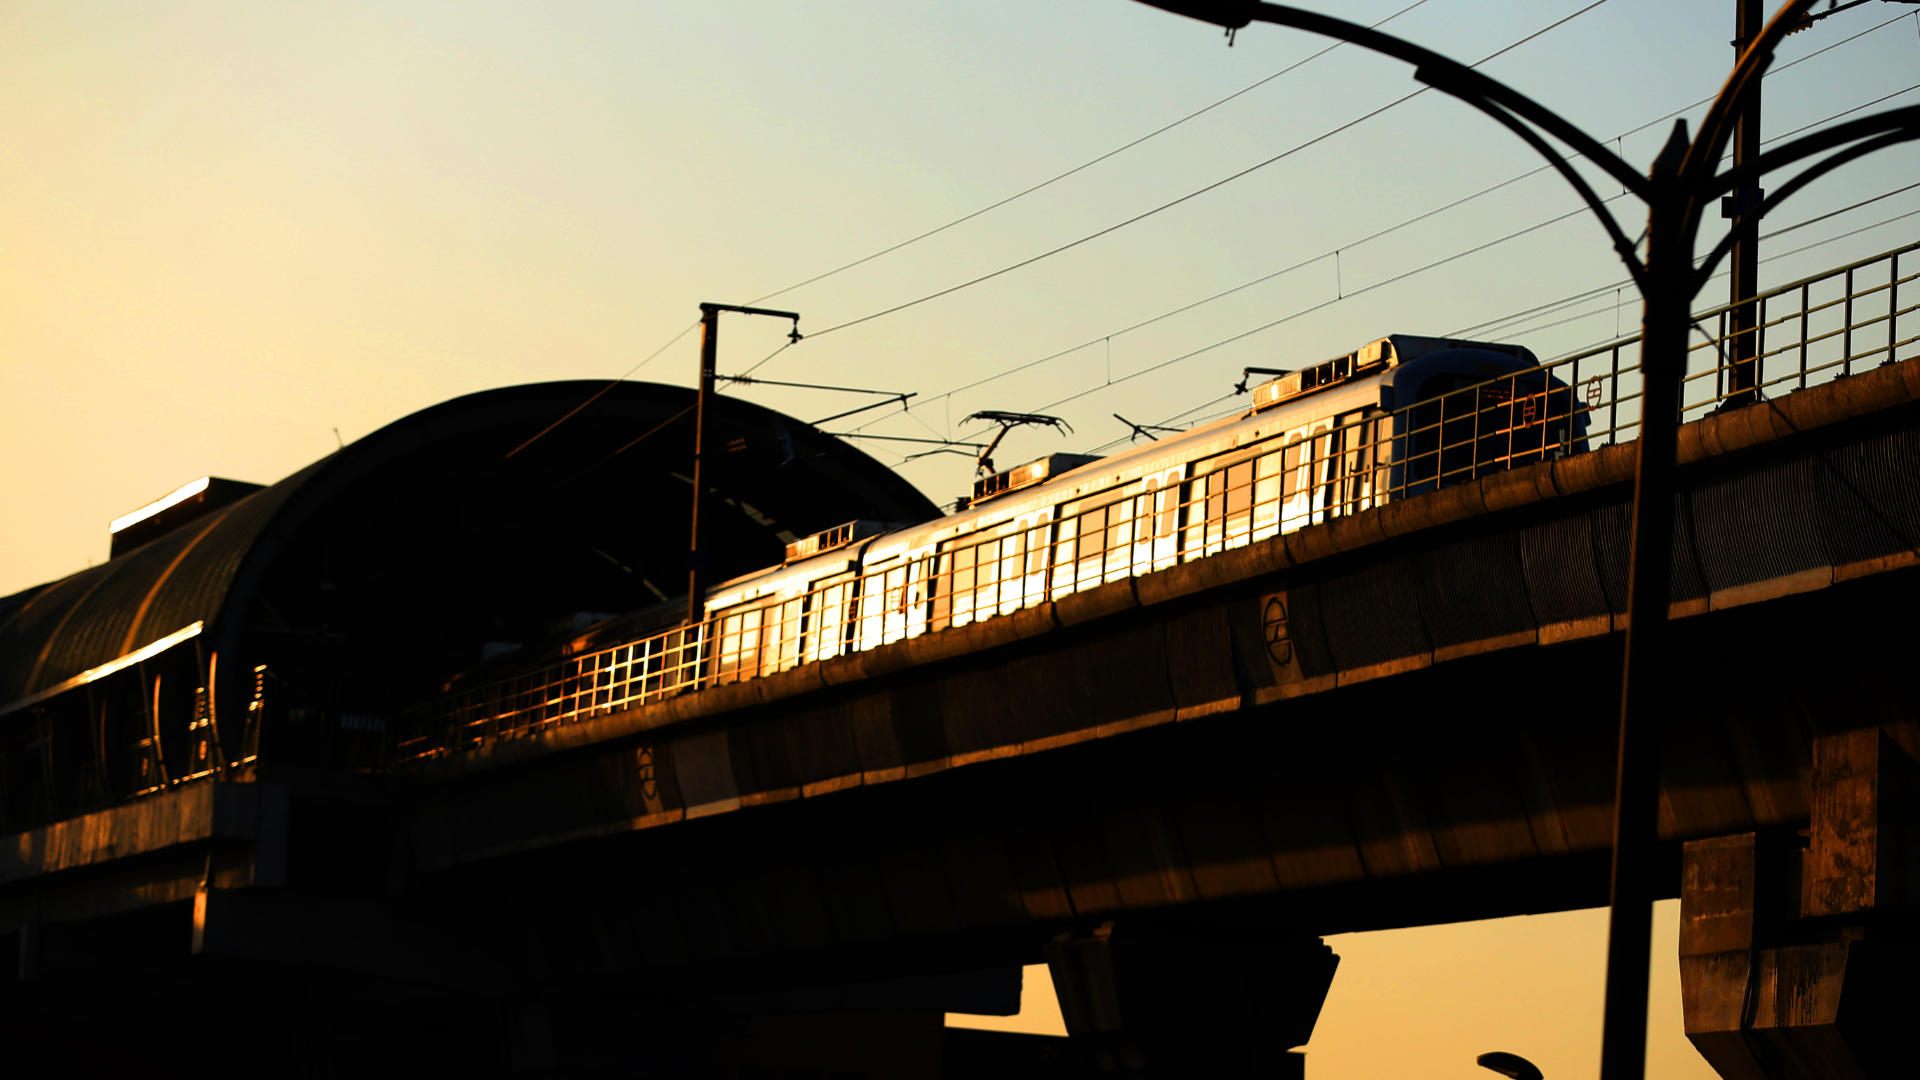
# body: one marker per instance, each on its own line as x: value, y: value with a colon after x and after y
x: 649, y: 786
x: 1274, y: 623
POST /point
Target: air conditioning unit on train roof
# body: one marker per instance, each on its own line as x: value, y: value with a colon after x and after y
x: 1022, y: 476
x: 1387, y: 352
x: 838, y: 536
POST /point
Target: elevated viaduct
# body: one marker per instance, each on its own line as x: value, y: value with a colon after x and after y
x: 1167, y: 787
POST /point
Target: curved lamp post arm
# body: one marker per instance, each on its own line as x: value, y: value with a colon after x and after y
x: 1621, y: 244
x: 1750, y: 224
x: 1906, y: 117
x: 1444, y: 74
x: 1717, y: 127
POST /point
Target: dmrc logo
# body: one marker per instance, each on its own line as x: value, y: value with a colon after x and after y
x: 1274, y: 622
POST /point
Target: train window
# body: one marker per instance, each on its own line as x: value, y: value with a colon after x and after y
x: 896, y: 586
x: 1064, y: 543
x: 1169, y: 520
x: 1239, y: 488
x: 942, y: 615
x: 1290, y: 469
x: 1011, y: 550
x: 963, y: 569
x: 1216, y: 498
x: 1093, y: 541
x: 1093, y: 532
x: 1119, y: 525
x: 1266, y: 483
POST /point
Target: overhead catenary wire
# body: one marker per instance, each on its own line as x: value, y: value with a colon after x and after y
x: 1476, y: 249
x: 1311, y: 142
x: 1379, y: 234
x: 1501, y: 324
x: 651, y: 432
x: 1170, y: 204
x: 598, y: 394
x: 683, y: 332
x: 1082, y: 167
x: 1780, y: 255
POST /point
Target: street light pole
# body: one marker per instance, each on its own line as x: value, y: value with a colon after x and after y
x: 1743, y: 321
x: 1644, y: 667
x: 709, y: 356
x: 1684, y: 179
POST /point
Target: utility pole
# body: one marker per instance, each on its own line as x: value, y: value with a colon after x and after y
x: 709, y: 354
x: 1750, y: 17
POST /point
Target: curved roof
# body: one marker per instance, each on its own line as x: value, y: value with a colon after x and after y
x: 379, y: 500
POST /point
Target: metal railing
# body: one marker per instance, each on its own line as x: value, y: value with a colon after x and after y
x: 1807, y: 332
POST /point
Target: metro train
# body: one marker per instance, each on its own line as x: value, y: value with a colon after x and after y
x: 1398, y: 417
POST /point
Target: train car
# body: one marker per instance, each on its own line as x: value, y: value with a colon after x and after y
x: 1400, y: 416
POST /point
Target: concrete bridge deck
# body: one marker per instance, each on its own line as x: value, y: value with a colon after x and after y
x: 1424, y: 689
x: 1405, y: 716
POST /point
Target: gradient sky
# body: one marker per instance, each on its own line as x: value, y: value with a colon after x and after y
x: 229, y: 230
x: 1425, y: 1002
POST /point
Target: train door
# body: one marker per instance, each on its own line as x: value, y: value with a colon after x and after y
x: 780, y: 630
x: 917, y: 598
x: 1269, y: 481
x: 1349, y: 469
x: 1156, y: 514
x: 827, y: 613
x: 737, y: 652
x: 891, y: 606
x: 1123, y: 523
x: 871, y: 609
x: 968, y: 567
x: 1064, y: 563
x: 1087, y: 530
x: 1321, y: 452
x: 1024, y: 555
x: 1297, y: 487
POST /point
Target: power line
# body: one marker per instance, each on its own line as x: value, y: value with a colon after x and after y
x: 1404, y: 224
x: 1784, y: 254
x: 651, y: 432
x: 1423, y: 269
x: 1192, y: 194
x: 597, y: 394
x: 675, y: 339
x: 1326, y: 303
x: 1501, y: 325
x: 1842, y: 236
x: 1081, y: 167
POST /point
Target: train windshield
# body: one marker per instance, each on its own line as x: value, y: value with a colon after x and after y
x: 1468, y: 423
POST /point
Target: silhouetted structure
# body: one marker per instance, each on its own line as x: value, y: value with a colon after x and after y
x: 1167, y: 785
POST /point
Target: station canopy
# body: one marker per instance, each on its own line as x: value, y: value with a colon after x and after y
x: 424, y: 549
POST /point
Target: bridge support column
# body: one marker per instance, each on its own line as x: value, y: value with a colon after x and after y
x: 1154, y: 1000
x: 1797, y: 952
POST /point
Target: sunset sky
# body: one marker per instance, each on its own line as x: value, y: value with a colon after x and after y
x: 1425, y: 1002
x: 230, y: 230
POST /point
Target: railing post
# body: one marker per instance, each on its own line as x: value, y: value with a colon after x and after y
x: 1846, y: 335
x: 1893, y: 307
x: 1806, y: 315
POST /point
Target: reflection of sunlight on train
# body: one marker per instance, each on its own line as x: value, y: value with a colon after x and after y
x: 1401, y: 416
x: 1337, y: 438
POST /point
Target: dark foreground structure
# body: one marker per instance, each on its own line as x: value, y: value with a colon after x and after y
x: 1167, y: 787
